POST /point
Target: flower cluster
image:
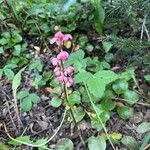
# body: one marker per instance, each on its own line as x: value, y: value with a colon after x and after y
x: 63, y: 75
x: 59, y: 38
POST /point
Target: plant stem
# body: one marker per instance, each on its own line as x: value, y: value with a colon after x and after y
x: 103, y: 126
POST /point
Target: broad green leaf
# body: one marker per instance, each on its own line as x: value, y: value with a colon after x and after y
x: 96, y: 86
x: 125, y: 112
x: 64, y: 144
x: 22, y: 94
x: 128, y: 74
x: 1, y: 50
x: 107, y: 76
x: 16, y: 37
x: 36, y: 65
x: 9, y: 73
x: 3, y: 146
x: 130, y: 142
x: 41, y: 141
x: 55, y: 102
x: 17, y: 50
x: 147, y: 77
x: 120, y: 86
x: 82, y: 77
x: 26, y: 104
x: 10, y: 66
x: 78, y: 113
x: 130, y: 97
x: 96, y: 143
x: 3, y: 41
x: 74, y: 98
x: 108, y: 104
x: 143, y: 127
x: 107, y: 46
x: 34, y: 98
x: 145, y: 141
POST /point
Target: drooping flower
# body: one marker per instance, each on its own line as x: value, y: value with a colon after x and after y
x: 70, y: 82
x: 69, y: 70
x: 62, y: 79
x: 55, y: 61
x: 62, y: 56
x: 59, y: 38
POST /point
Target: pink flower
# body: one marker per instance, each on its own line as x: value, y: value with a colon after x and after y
x: 63, y: 56
x: 59, y: 38
x: 67, y: 37
x: 70, y: 82
x: 62, y: 79
x: 69, y: 70
x: 55, y: 61
x: 57, y: 72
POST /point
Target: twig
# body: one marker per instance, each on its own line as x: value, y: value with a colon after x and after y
x: 147, y: 147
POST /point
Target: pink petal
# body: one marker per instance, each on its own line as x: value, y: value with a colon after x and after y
x: 62, y: 79
x: 59, y: 35
x: 63, y: 56
x: 69, y: 70
x: 67, y: 37
x: 54, y: 61
x: 70, y: 82
x: 53, y: 40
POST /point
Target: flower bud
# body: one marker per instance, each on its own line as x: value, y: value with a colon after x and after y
x: 63, y: 56
x: 55, y: 61
x: 69, y: 70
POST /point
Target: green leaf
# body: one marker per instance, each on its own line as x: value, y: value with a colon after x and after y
x: 64, y: 144
x: 36, y: 65
x: 96, y: 86
x: 82, y: 77
x: 10, y: 66
x: 26, y: 104
x: 22, y: 94
x: 120, y: 86
x: 16, y: 37
x: 125, y: 112
x: 17, y: 50
x: 130, y: 142
x: 147, y: 77
x: 107, y: 46
x: 3, y: 41
x: 96, y: 143
x: 55, y: 102
x: 1, y: 50
x: 108, y: 104
x: 130, y: 97
x: 34, y: 98
x: 145, y: 141
x: 3, y: 146
x: 16, y: 81
x: 78, y: 113
x: 107, y: 76
x: 9, y: 73
x: 74, y: 57
x: 99, y: 17
x: 74, y: 98
x: 143, y: 127
x: 21, y: 138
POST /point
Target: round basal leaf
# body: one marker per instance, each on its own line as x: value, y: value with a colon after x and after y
x: 64, y: 144
x: 143, y: 127
x: 108, y: 94
x: 89, y: 48
x: 109, y: 57
x: 130, y: 142
x: 22, y: 94
x: 55, y: 102
x: 96, y: 86
x: 96, y: 143
x: 82, y: 77
x: 131, y: 97
x: 107, y: 46
x: 9, y: 73
x: 17, y: 50
x: 1, y: 50
x: 26, y: 104
x: 34, y: 98
x: 125, y: 112
x: 147, y: 77
x: 105, y: 116
x: 74, y: 98
x: 78, y: 113
x: 108, y: 104
x: 120, y: 86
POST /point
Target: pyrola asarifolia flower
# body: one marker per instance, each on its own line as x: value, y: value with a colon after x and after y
x: 63, y: 75
x: 59, y: 38
x: 69, y: 70
x: 62, y: 56
x: 55, y: 61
